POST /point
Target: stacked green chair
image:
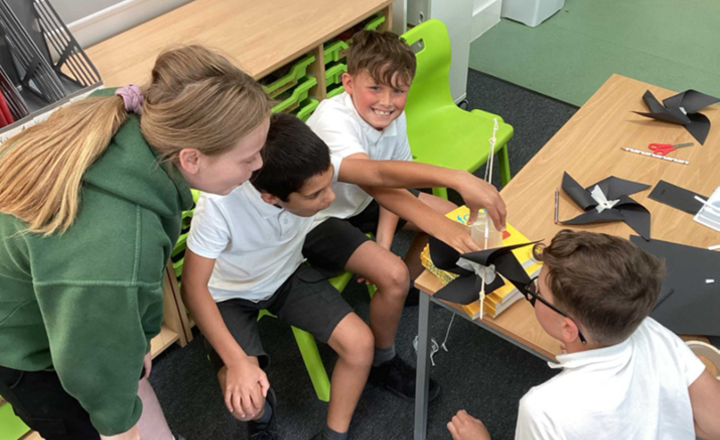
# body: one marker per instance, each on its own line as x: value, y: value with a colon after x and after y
x: 440, y: 133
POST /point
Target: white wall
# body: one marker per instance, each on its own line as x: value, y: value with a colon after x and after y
x: 486, y: 14
x: 92, y: 21
x: 73, y: 10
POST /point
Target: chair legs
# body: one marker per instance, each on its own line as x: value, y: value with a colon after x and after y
x: 309, y: 351
x: 313, y: 363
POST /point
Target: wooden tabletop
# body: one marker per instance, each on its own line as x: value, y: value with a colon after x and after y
x: 259, y: 36
x: 588, y: 148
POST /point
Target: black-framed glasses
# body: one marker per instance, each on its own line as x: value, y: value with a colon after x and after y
x: 532, y: 294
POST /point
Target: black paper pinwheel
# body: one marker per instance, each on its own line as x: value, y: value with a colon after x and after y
x: 682, y: 109
x: 608, y: 201
x: 466, y: 287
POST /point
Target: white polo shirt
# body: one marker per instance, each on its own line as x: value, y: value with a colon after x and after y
x: 337, y: 123
x: 256, y: 246
x: 636, y: 390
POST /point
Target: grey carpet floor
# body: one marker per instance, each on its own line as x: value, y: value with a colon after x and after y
x: 481, y: 373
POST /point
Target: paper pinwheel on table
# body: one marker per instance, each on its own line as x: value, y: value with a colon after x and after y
x: 473, y: 266
x: 608, y: 201
x: 682, y: 109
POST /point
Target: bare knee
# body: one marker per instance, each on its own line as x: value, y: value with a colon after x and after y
x: 362, y: 347
x: 353, y: 341
x: 395, y: 281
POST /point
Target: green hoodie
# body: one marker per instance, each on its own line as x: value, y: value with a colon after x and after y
x: 87, y: 302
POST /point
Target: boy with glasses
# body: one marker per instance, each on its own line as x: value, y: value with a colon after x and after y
x: 624, y: 375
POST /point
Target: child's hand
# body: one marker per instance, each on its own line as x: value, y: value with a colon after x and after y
x: 147, y: 365
x: 367, y: 282
x: 479, y: 194
x: 246, y: 386
x: 456, y: 235
x: 463, y: 426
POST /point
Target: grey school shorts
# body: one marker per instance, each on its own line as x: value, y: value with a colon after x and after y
x: 330, y: 244
x: 306, y: 300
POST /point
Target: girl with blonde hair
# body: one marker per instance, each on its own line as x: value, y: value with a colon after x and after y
x: 90, y: 209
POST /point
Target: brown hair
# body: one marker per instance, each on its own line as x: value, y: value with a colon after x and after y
x: 605, y: 282
x: 382, y: 54
x: 196, y: 99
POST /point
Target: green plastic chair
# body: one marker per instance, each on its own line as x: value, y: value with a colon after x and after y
x: 12, y: 427
x: 308, y: 347
x: 440, y: 133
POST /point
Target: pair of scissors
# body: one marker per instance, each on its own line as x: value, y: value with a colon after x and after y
x: 664, y: 149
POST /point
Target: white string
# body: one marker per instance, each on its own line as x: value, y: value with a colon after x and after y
x: 488, y: 176
x: 447, y: 334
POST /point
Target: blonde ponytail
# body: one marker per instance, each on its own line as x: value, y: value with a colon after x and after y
x: 41, y: 168
x: 196, y: 99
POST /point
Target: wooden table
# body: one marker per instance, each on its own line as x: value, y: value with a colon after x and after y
x: 588, y: 148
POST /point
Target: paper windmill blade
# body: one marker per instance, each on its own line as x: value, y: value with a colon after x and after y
x: 465, y: 289
x: 691, y: 287
x: 682, y: 109
x: 608, y: 201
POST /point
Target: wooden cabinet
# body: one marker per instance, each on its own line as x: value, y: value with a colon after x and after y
x: 259, y: 37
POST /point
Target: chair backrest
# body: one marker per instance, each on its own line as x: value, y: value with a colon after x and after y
x: 430, y: 89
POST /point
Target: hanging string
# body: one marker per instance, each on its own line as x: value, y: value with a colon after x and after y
x: 447, y: 333
x: 488, y: 178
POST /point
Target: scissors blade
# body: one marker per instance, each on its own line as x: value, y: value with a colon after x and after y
x: 686, y: 144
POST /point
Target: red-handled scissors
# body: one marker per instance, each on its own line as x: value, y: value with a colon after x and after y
x: 664, y: 149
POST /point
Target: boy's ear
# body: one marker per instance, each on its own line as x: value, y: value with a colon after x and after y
x: 189, y: 159
x: 570, y: 331
x: 269, y: 198
x: 347, y: 82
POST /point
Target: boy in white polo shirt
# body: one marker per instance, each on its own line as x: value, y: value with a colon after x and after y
x: 244, y: 253
x: 624, y: 375
x: 368, y: 121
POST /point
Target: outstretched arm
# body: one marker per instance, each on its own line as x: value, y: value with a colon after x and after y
x: 477, y: 194
x: 409, y: 207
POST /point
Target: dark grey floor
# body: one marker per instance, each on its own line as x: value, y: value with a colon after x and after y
x: 481, y: 373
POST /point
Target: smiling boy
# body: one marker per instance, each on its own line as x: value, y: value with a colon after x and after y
x: 368, y: 122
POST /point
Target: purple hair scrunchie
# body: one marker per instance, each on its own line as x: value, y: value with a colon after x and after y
x: 132, y: 97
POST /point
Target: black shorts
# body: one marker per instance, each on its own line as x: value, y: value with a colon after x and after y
x: 330, y: 244
x: 40, y: 400
x: 305, y: 300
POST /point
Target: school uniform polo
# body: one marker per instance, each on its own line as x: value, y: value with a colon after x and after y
x: 340, y: 229
x: 337, y: 122
x: 257, y: 246
x: 257, y: 249
x: 637, y: 389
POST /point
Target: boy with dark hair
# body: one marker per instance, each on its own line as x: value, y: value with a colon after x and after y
x: 244, y: 255
x: 368, y: 122
x: 624, y: 375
